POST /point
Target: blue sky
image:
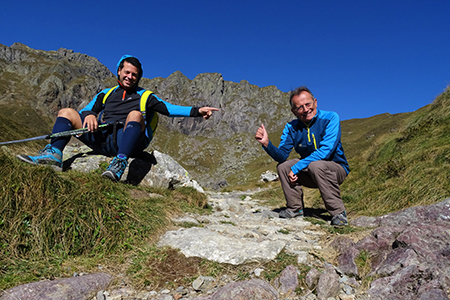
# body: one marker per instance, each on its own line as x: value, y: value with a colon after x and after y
x: 360, y: 58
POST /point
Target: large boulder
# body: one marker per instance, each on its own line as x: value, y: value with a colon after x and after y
x: 253, y: 289
x: 73, y: 288
x: 153, y: 169
x: 409, y: 252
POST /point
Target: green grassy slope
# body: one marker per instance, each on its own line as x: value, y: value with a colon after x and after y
x: 398, y: 161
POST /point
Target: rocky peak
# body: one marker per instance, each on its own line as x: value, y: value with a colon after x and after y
x: 50, y: 80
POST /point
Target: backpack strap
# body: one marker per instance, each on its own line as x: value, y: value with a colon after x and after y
x: 153, y: 119
x: 108, y: 93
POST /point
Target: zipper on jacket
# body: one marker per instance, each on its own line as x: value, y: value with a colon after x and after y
x: 309, y: 138
x: 309, y: 135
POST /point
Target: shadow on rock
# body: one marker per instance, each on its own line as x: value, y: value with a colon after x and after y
x: 318, y: 213
x: 67, y: 164
x: 140, y: 167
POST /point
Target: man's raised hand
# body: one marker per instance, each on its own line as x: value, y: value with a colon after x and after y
x: 261, y: 136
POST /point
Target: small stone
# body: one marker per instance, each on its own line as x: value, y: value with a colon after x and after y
x: 100, y: 296
x: 258, y: 271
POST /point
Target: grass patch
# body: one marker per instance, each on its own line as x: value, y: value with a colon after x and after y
x: 274, y: 268
x: 227, y: 222
x: 160, y: 267
x: 364, y: 264
x: 271, y: 196
x: 315, y: 221
x: 342, y: 229
x: 50, y: 220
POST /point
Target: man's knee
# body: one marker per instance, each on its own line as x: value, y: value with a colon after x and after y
x: 317, y: 166
x: 135, y: 116
x: 71, y: 114
x: 67, y: 113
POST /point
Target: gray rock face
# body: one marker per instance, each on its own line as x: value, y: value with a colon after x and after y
x: 437, y: 214
x: 288, y: 281
x: 253, y: 289
x: 213, y: 246
x: 410, y: 251
x: 74, y: 288
x: 240, y: 231
x: 312, y: 278
x: 328, y: 285
x: 236, y: 101
x: 56, y: 79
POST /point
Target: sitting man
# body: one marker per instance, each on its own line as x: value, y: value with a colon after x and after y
x: 127, y: 104
x: 316, y: 136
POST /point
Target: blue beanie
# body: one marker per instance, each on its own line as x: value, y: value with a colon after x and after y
x: 125, y: 57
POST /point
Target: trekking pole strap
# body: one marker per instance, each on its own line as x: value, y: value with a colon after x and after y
x: 116, y: 126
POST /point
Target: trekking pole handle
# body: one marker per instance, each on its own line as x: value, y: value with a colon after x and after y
x: 75, y: 132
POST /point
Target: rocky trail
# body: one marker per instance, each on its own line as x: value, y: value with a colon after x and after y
x: 410, y: 260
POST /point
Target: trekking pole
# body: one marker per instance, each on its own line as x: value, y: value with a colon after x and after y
x: 72, y: 132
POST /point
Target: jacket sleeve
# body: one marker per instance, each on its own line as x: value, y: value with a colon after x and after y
x: 163, y: 107
x: 95, y: 106
x: 281, y: 153
x: 327, y: 145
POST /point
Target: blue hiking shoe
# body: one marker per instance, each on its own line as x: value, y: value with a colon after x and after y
x: 48, y: 156
x: 116, y: 169
x: 340, y: 219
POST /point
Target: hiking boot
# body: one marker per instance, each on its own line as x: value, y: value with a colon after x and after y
x: 116, y: 169
x: 49, y: 156
x: 340, y: 219
x: 289, y: 214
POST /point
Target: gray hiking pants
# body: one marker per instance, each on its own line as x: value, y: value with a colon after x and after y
x: 327, y: 176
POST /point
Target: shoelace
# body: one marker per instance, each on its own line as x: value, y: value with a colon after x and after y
x: 47, y: 149
x: 118, y: 164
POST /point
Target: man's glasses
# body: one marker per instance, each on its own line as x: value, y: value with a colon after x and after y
x: 302, y: 108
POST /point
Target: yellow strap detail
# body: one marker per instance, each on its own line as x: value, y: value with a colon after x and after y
x: 314, y: 138
x: 154, y: 121
x: 143, y: 103
x: 108, y: 93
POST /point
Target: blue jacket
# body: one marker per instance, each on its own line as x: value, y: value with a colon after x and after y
x: 318, y: 140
